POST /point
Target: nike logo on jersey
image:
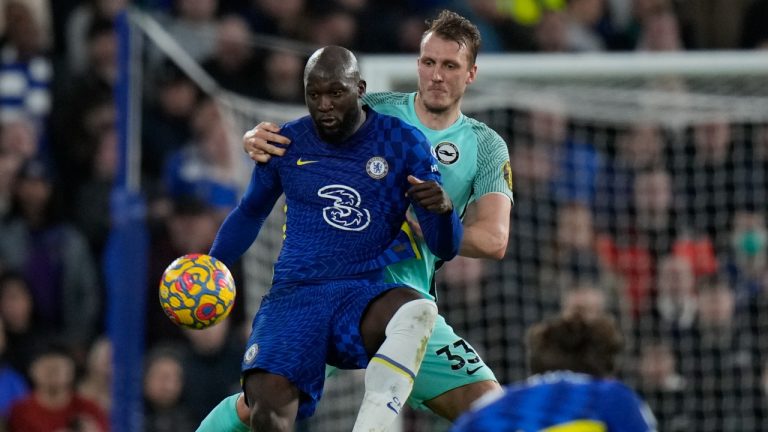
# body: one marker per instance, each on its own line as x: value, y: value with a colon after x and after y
x: 395, y: 405
x: 472, y: 371
x: 303, y: 162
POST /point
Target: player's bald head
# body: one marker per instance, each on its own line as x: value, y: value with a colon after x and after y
x: 332, y: 62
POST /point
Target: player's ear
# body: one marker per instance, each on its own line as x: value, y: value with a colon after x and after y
x: 361, y: 86
x: 472, y: 74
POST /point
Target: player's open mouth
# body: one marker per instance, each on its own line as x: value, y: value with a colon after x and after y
x: 329, y: 122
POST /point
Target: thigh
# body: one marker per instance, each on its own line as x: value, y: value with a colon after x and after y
x: 451, y: 367
x: 379, y: 312
x: 289, y: 339
x: 361, y: 319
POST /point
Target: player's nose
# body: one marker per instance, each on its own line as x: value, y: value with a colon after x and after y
x: 325, y: 104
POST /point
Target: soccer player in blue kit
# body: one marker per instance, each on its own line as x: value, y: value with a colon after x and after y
x: 345, y: 179
x: 474, y: 165
x: 572, y: 359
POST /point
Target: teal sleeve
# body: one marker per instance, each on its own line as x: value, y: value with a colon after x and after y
x: 223, y: 418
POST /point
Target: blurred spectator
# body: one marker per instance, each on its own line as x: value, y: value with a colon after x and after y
x: 576, y: 260
x: 283, y: 79
x: 705, y: 169
x: 662, y: 386
x: 205, y: 168
x: 747, y: 258
x: 720, y: 356
x: 19, y: 137
x: 284, y: 18
x: 577, y: 163
x: 654, y: 222
x: 164, y: 381
x: 676, y: 298
x: 13, y: 386
x: 660, y: 31
x: 23, y: 333
x: 463, y: 278
x: 551, y: 33
x: 529, y: 12
x: 214, y: 355
x: 53, y: 256
x: 333, y: 25
x: 96, y: 384
x: 501, y: 32
x: 581, y: 18
x: 638, y: 149
x: 754, y: 33
x: 716, y: 314
x: 585, y: 300
x: 53, y: 404
x: 85, y: 107
x: 9, y: 167
x: 167, y: 121
x: 91, y: 212
x: 713, y: 24
x: 25, y: 69
x: 233, y: 64
x: 79, y: 23
x: 193, y: 26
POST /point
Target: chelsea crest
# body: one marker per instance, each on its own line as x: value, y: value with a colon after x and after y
x: 377, y: 167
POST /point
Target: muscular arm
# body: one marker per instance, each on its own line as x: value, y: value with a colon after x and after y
x: 242, y: 226
x: 486, y: 227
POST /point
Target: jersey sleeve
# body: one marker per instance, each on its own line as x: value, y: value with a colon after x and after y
x: 442, y: 232
x: 627, y: 412
x: 242, y: 225
x: 494, y: 173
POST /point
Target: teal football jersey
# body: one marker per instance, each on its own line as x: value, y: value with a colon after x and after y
x: 473, y: 161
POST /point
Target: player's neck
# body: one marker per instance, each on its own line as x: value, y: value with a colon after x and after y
x: 436, y: 120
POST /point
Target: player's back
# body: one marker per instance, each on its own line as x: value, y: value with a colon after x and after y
x: 562, y: 402
x: 346, y: 202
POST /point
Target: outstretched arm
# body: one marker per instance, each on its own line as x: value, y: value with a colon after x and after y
x: 242, y: 225
x: 439, y: 221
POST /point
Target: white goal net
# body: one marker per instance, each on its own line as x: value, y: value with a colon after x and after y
x: 640, y: 188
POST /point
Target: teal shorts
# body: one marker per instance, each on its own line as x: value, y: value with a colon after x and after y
x: 450, y: 362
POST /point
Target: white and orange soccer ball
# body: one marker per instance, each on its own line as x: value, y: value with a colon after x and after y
x: 197, y: 291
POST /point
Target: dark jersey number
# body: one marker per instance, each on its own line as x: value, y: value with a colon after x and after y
x: 459, y: 359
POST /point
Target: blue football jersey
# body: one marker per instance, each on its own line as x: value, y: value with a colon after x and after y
x: 346, y: 201
x: 561, y: 402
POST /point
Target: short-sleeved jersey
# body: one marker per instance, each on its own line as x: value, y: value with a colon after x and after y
x: 344, y: 205
x: 560, y: 402
x: 473, y: 161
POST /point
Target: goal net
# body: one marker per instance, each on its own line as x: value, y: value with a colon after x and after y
x: 640, y: 189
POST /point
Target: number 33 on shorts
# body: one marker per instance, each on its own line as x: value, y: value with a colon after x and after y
x: 461, y: 355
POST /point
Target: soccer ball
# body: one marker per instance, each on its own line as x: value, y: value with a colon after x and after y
x: 197, y: 291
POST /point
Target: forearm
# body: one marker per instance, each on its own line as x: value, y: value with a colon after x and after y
x: 442, y: 232
x: 236, y: 235
x: 482, y: 242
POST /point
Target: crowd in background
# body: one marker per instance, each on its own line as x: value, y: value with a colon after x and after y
x: 664, y: 228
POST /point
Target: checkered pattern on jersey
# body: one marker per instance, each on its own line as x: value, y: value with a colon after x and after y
x: 562, y: 398
x: 345, y: 202
x: 300, y: 328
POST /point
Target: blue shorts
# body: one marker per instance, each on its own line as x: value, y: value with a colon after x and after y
x: 300, y: 328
